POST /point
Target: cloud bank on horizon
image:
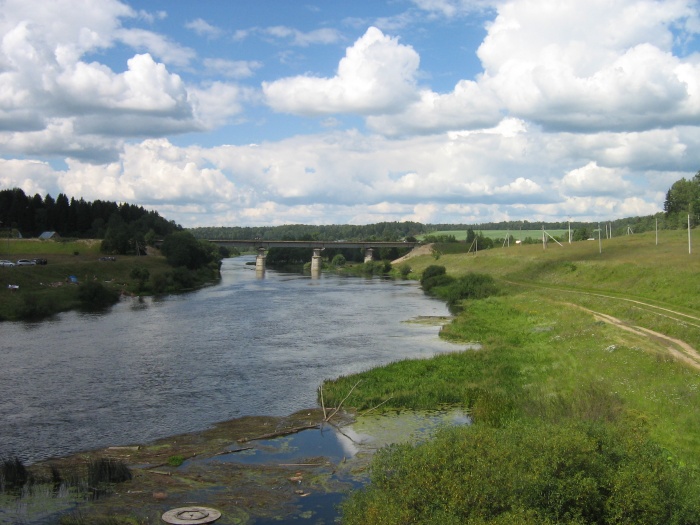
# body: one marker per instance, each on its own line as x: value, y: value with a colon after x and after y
x: 437, y: 111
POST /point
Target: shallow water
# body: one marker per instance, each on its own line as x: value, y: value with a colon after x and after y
x: 247, y: 346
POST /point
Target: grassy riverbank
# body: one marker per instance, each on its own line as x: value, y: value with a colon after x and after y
x: 575, y: 335
x: 36, y: 292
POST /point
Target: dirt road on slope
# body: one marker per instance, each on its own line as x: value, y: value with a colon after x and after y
x: 677, y: 348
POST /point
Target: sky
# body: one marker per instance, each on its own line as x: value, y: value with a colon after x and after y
x: 242, y: 113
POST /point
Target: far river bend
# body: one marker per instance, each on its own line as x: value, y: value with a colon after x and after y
x: 153, y: 368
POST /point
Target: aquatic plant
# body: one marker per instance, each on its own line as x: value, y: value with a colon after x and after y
x: 105, y: 470
x: 13, y: 474
x: 176, y: 461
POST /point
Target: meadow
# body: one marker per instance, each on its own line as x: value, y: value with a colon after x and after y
x: 45, y: 289
x: 601, y: 335
x: 518, y: 235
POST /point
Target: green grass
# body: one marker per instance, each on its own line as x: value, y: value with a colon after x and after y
x: 518, y: 235
x: 552, y: 392
x: 543, y: 355
x: 44, y: 289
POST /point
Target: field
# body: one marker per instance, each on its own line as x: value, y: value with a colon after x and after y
x: 49, y: 285
x: 518, y: 235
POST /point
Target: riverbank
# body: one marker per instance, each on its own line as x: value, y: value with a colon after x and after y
x: 36, y: 292
x: 583, y: 342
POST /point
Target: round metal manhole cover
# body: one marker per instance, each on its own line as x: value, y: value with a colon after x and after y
x: 191, y: 516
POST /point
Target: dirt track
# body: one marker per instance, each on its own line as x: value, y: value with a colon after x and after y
x: 425, y: 249
x: 677, y: 348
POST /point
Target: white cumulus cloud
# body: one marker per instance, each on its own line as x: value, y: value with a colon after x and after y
x: 377, y: 75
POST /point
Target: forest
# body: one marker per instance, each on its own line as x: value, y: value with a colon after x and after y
x: 124, y: 228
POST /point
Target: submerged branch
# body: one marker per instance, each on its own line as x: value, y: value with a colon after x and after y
x: 335, y: 411
x: 279, y: 433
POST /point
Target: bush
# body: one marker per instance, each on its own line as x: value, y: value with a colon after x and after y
x: 436, y: 281
x: 339, y: 260
x: 571, y: 473
x: 404, y: 270
x: 35, y: 307
x: 432, y: 271
x: 182, y: 279
x: 141, y: 275
x: 94, y: 295
x: 470, y: 286
x: 376, y: 267
x: 159, y: 283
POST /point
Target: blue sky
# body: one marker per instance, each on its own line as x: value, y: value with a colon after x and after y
x: 332, y: 112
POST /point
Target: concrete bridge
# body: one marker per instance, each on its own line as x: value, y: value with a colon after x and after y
x: 317, y: 247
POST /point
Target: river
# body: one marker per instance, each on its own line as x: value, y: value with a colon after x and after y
x: 150, y: 368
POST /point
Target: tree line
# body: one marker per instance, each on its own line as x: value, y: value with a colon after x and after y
x: 124, y: 228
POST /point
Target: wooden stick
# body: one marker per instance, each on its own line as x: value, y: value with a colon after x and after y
x: 323, y: 406
x: 279, y: 433
x: 233, y: 451
x: 380, y: 404
x: 343, y: 401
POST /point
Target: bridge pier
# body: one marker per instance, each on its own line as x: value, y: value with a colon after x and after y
x: 316, y: 262
x: 260, y: 261
x: 368, y: 255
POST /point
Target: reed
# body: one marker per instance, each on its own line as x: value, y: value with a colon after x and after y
x: 13, y: 474
x: 105, y: 471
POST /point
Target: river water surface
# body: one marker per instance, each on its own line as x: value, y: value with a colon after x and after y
x: 247, y: 346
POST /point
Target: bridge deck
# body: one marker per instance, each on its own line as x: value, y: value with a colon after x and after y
x: 257, y: 243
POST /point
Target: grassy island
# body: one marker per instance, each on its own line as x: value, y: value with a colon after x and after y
x: 584, y: 395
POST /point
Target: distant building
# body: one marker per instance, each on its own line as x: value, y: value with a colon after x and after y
x: 48, y: 236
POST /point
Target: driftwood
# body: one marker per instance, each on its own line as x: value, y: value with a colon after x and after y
x: 279, y: 433
x: 233, y: 451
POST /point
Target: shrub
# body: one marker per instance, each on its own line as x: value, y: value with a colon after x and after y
x: 436, y: 281
x: 159, y: 283
x: 376, y: 267
x: 432, y: 271
x: 182, y: 279
x: 339, y: 260
x: 35, y: 307
x: 470, y: 286
x: 571, y: 473
x: 404, y: 270
x: 141, y: 275
x: 94, y: 295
